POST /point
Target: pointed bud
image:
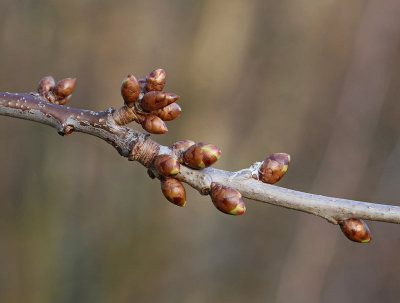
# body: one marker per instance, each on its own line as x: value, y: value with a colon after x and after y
x: 274, y: 168
x: 155, y: 81
x: 130, y: 90
x: 174, y: 191
x: 154, y: 125
x: 166, y: 165
x: 64, y: 88
x: 201, y: 155
x: 356, y: 230
x: 182, y: 145
x: 46, y: 84
x: 227, y: 199
x: 65, y: 100
x: 155, y: 100
x: 169, y: 112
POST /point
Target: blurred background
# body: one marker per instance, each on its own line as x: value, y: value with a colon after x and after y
x: 319, y: 80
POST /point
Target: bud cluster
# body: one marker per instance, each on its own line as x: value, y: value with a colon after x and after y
x: 58, y: 93
x: 197, y: 156
x: 150, y: 106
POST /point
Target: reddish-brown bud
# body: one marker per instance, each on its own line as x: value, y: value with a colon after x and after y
x: 166, y: 165
x: 64, y: 88
x: 174, y: 191
x: 46, y: 84
x: 155, y: 81
x: 182, y: 145
x: 155, y: 100
x: 130, y: 90
x: 356, y: 230
x: 227, y: 199
x: 169, y: 112
x: 201, y: 155
x: 274, y: 168
x: 154, y: 125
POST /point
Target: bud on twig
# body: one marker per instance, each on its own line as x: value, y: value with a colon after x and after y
x: 64, y: 88
x: 166, y: 165
x: 356, y: 230
x: 130, y: 90
x: 155, y: 80
x: 46, y: 84
x: 155, y: 100
x: 153, y: 124
x: 182, y: 145
x: 174, y: 191
x: 274, y: 168
x: 227, y: 199
x: 201, y: 155
x: 169, y: 112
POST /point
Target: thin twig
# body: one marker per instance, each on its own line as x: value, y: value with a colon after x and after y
x: 139, y: 147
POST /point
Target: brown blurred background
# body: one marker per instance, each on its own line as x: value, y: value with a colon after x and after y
x: 317, y: 79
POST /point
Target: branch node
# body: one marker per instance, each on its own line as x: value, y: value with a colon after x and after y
x: 144, y: 151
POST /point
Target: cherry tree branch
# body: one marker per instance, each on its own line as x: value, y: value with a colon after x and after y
x: 137, y: 146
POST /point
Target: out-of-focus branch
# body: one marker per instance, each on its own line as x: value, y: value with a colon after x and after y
x: 138, y: 146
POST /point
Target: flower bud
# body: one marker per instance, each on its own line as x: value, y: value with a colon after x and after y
x: 155, y: 81
x: 274, y: 168
x: 155, y: 100
x: 356, y: 230
x: 182, y: 145
x: 166, y: 165
x: 201, y: 155
x: 174, y: 191
x: 227, y: 199
x: 46, y: 84
x: 169, y: 112
x: 64, y: 88
x: 154, y: 125
x: 130, y: 90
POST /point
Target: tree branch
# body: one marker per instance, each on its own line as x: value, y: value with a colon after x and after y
x: 137, y: 146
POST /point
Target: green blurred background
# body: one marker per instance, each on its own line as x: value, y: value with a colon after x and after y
x: 317, y: 79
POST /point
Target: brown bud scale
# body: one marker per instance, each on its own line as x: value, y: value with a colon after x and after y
x: 169, y: 112
x: 64, y: 88
x: 182, y: 145
x: 201, y: 155
x: 46, y: 84
x: 356, y: 230
x: 153, y: 124
x: 174, y: 191
x: 155, y: 81
x: 154, y: 100
x: 65, y: 100
x: 274, y: 168
x: 227, y: 199
x: 130, y: 90
x: 166, y: 165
